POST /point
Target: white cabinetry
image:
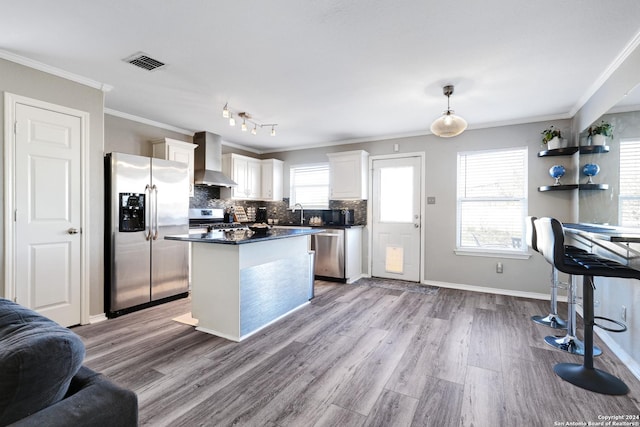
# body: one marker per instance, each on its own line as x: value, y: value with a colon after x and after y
x: 348, y: 172
x: 353, y: 254
x: 172, y: 149
x: 246, y: 172
x: 272, y: 180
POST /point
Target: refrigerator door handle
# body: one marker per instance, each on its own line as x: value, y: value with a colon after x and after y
x: 155, y: 212
x: 147, y: 191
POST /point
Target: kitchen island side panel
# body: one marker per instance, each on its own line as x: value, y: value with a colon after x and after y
x: 239, y: 289
x: 215, y: 293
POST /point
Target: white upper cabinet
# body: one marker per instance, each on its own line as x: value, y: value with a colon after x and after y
x: 172, y: 149
x: 246, y: 172
x: 272, y: 180
x: 348, y: 175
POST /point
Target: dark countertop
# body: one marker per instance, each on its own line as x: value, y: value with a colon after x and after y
x: 238, y: 237
x: 609, y: 233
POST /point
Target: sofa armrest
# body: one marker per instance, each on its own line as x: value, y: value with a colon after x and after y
x: 92, y: 400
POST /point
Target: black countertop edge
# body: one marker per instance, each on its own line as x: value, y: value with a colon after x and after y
x: 320, y: 226
x: 610, y: 233
x: 246, y: 236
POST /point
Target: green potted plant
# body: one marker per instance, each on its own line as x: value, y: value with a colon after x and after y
x: 551, y: 137
x: 600, y: 132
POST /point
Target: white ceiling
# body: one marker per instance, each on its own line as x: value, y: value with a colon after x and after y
x: 330, y: 70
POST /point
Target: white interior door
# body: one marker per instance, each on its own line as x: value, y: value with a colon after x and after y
x: 396, y: 211
x: 48, y: 212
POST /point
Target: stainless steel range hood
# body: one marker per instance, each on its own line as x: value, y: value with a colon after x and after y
x: 208, y: 161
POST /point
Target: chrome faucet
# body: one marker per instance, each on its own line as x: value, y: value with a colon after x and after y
x: 301, y: 212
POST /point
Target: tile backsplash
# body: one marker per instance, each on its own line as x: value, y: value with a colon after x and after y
x: 206, y: 196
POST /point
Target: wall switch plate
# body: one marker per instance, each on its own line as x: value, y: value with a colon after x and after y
x: 431, y: 200
x: 499, y: 267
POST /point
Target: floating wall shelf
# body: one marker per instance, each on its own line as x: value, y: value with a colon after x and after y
x: 561, y: 187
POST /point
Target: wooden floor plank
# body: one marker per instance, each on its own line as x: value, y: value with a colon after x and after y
x: 392, y: 409
x: 355, y: 355
x: 483, y: 401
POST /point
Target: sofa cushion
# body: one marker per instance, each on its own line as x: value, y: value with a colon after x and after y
x: 38, y: 358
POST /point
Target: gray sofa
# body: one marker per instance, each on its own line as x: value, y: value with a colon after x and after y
x: 43, y: 381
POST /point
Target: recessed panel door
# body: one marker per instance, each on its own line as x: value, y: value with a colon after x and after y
x: 48, y: 212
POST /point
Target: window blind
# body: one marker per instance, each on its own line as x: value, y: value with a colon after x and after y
x: 629, y: 198
x: 492, y: 189
x: 309, y: 186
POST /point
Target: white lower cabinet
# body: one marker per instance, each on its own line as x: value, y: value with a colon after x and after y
x: 353, y: 253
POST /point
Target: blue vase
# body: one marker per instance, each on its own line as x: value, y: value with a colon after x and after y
x: 557, y: 171
x: 590, y: 170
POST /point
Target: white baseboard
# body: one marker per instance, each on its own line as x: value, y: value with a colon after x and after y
x: 97, y: 318
x: 497, y: 291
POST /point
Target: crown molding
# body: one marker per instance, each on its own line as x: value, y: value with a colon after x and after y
x: 149, y: 122
x: 10, y: 56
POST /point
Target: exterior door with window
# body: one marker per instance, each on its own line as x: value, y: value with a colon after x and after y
x: 396, y: 211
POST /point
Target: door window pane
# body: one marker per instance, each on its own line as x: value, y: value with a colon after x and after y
x: 396, y: 194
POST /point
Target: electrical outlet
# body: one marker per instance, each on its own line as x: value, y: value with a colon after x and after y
x: 499, y: 267
x: 431, y: 200
x: 623, y: 313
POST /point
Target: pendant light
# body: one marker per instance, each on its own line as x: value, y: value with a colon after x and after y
x: 448, y: 124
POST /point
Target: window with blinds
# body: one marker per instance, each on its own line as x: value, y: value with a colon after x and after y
x: 629, y: 198
x: 492, y: 200
x: 309, y: 186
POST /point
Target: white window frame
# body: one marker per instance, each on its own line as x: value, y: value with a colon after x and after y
x: 623, y: 197
x: 507, y: 252
x: 292, y: 185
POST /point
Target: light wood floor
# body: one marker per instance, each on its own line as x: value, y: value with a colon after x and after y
x: 356, y: 356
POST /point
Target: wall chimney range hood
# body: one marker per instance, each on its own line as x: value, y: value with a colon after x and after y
x: 208, y: 161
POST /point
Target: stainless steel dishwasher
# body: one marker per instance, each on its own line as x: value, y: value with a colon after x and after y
x: 329, y: 249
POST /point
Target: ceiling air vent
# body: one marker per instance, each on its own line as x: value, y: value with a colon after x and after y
x: 142, y: 60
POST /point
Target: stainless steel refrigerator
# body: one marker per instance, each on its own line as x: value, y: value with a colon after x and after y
x: 146, y: 199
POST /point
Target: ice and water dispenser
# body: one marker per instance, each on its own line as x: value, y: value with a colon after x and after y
x: 132, y: 217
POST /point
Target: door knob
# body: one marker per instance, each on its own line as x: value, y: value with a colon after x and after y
x: 73, y: 230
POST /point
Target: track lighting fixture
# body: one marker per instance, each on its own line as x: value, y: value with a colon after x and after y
x: 246, y: 117
x: 448, y: 124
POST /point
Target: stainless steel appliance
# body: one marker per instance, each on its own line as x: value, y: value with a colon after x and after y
x: 329, y: 249
x: 203, y: 220
x: 261, y: 214
x: 146, y: 199
x: 208, y: 161
x: 338, y: 217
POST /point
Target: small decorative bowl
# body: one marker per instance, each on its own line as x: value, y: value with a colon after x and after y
x: 260, y: 228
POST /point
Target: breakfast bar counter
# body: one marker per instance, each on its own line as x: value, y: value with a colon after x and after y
x: 242, y: 281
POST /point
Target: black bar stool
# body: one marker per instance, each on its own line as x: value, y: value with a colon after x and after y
x: 550, y: 242
x: 570, y: 342
x: 553, y: 319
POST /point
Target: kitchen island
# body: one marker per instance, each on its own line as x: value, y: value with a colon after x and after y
x: 243, y: 281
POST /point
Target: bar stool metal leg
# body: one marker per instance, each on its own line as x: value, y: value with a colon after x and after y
x: 570, y: 342
x: 553, y: 319
x: 585, y: 375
